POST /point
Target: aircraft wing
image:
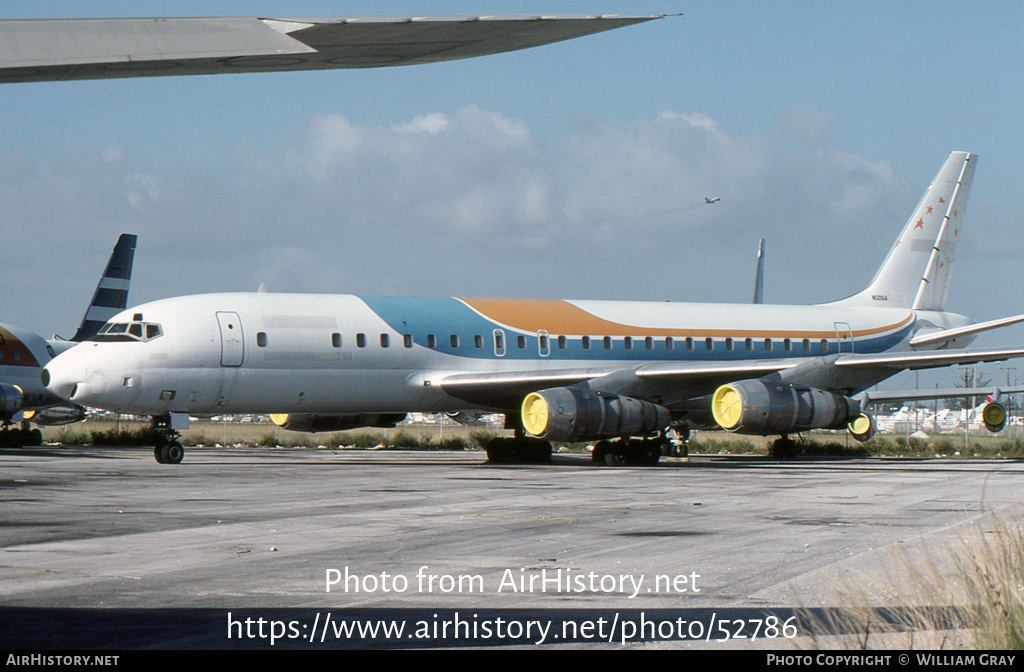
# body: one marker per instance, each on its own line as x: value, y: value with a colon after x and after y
x: 506, y: 389
x: 36, y: 50
x: 877, y: 397
x: 928, y: 360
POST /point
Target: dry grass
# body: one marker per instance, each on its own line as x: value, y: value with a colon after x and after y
x: 967, y: 595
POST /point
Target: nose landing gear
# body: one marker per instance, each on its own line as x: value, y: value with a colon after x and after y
x: 168, y: 449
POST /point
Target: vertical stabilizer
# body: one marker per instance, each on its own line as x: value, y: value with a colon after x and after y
x: 111, y: 296
x: 759, y: 275
x: 917, y: 271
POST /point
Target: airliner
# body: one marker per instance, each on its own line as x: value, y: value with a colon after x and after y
x: 23, y: 399
x: 621, y: 374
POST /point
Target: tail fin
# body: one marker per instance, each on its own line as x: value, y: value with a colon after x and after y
x: 917, y: 271
x: 759, y: 275
x: 111, y: 296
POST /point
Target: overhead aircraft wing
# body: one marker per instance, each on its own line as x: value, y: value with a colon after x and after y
x: 36, y: 50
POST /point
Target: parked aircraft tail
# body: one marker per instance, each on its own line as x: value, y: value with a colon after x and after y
x: 111, y: 296
x: 917, y: 271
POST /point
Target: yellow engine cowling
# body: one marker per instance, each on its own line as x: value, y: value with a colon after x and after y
x: 765, y: 408
x: 313, y: 423
x: 579, y: 414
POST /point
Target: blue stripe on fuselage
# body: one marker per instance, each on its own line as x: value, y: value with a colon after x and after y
x: 446, y: 316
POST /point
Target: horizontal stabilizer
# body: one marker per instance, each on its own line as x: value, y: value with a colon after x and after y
x: 951, y: 334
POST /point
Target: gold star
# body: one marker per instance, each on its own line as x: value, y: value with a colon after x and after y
x: 955, y: 213
x: 940, y: 200
x: 919, y: 224
x: 929, y: 210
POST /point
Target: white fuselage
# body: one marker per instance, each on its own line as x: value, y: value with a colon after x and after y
x: 339, y: 354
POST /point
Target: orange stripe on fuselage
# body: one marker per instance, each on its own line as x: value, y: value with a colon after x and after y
x: 563, y: 318
x: 9, y: 345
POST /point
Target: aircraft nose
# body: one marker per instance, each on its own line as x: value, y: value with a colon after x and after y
x: 64, y: 380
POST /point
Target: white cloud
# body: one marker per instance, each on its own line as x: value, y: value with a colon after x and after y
x: 472, y: 203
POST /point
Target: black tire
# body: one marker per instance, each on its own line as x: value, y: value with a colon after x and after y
x: 600, y: 451
x: 172, y: 453
x: 36, y: 437
x: 617, y: 455
x: 158, y: 454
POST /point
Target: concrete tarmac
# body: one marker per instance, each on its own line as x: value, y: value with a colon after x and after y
x: 109, y: 532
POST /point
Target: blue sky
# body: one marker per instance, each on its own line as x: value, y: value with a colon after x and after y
x: 573, y: 170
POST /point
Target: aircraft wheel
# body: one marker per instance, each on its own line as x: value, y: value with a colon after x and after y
x: 172, y: 453
x: 159, y: 454
x: 617, y: 455
x: 600, y: 451
x: 36, y: 437
x: 784, y: 448
x: 650, y: 453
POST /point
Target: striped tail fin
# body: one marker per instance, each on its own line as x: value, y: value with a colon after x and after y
x: 111, y: 296
x: 917, y: 271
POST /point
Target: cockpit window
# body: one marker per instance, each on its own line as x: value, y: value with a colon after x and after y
x: 128, y: 331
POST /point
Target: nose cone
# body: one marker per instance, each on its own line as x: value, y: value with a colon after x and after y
x: 64, y: 376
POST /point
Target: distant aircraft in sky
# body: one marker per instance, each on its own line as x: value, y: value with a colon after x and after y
x: 571, y: 371
x: 23, y: 398
x: 709, y: 201
x: 37, y: 50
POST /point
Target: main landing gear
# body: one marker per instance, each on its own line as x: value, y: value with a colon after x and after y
x: 629, y: 452
x: 168, y: 449
x: 22, y: 436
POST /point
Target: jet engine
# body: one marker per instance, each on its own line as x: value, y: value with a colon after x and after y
x: 580, y: 414
x: 56, y: 415
x: 305, y: 422
x: 11, y: 398
x: 994, y: 416
x: 773, y: 407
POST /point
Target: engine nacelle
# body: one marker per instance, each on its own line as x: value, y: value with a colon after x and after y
x: 994, y: 417
x: 772, y: 407
x: 307, y: 422
x: 578, y: 414
x: 11, y: 399
x: 55, y: 416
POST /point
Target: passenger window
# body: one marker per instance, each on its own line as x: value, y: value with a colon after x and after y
x: 649, y: 343
x: 336, y: 340
x: 627, y: 342
x: 521, y: 342
x: 385, y: 341
x: 586, y: 342
x: 407, y: 340
x: 607, y: 342
x: 824, y: 345
x: 454, y: 340
x: 499, y: 343
x: 728, y: 345
x: 543, y: 343
x: 561, y: 342
x: 709, y: 343
x: 768, y: 345
x: 787, y: 345
x: 670, y: 344
x: 431, y: 341
x: 749, y: 344
x: 360, y: 340
x: 261, y: 339
x: 478, y: 342
x: 807, y: 345
x: 689, y: 343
